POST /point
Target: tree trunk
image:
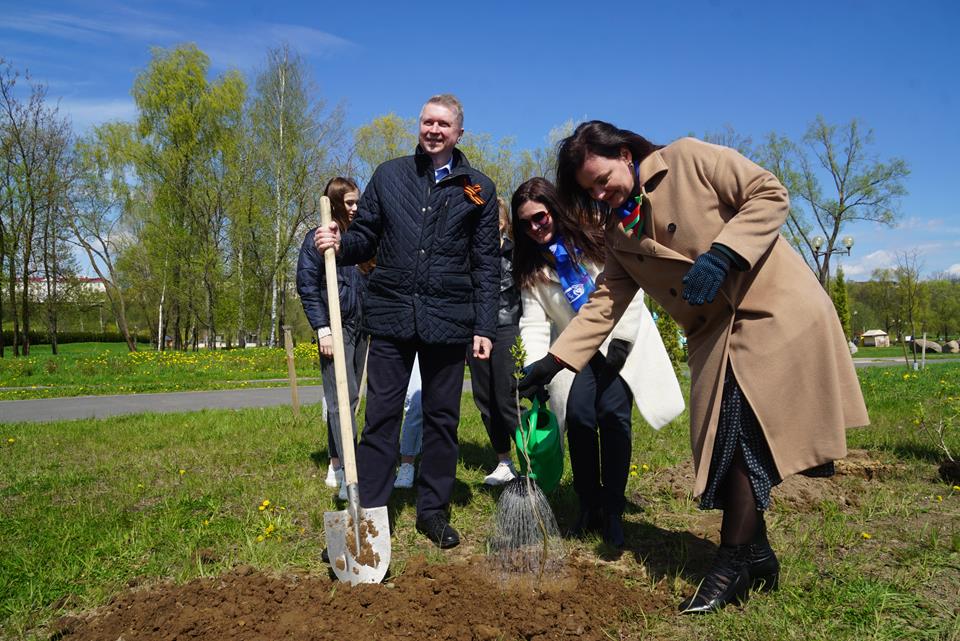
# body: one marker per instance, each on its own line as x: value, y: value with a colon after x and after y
x: 13, y: 306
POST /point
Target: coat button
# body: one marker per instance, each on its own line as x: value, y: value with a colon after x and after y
x: 672, y: 227
x: 673, y: 292
x: 423, y: 209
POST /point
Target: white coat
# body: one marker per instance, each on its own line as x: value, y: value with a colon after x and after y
x: 647, y: 370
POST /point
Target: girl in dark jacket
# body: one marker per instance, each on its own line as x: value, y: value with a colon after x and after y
x: 311, y: 285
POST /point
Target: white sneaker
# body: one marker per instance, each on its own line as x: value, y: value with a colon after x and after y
x: 331, y: 480
x: 504, y: 473
x: 342, y: 495
x: 404, y: 476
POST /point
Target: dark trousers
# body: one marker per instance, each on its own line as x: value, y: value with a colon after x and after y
x: 599, y: 434
x: 441, y: 370
x: 353, y: 342
x: 494, y: 389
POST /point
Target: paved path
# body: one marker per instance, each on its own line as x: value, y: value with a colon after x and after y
x: 59, y: 409
x: 77, y: 407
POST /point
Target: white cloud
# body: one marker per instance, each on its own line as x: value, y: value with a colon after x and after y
x: 86, y: 113
x: 132, y: 26
x: 865, y: 265
x: 248, y: 50
x: 954, y: 269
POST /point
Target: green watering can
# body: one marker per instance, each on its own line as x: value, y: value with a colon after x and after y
x: 539, y: 435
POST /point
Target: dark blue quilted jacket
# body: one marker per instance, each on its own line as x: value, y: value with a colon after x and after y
x: 312, y: 287
x: 438, y: 266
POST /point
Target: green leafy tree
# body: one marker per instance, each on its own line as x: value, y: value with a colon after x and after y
x: 184, y: 123
x: 670, y: 335
x: 294, y: 135
x: 838, y: 292
x: 382, y: 139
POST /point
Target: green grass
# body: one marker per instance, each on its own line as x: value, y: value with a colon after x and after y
x: 108, y: 368
x: 896, y: 351
x: 89, y: 508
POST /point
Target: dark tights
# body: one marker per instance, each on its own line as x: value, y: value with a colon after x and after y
x: 741, y: 518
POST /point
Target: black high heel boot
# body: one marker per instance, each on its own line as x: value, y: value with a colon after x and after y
x: 762, y: 565
x: 728, y: 581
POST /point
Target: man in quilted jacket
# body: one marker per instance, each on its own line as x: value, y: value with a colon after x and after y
x: 431, y: 221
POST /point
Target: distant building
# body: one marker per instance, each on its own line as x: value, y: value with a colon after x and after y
x: 67, y: 287
x: 875, y: 338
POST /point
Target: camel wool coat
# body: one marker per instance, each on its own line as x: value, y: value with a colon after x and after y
x: 772, y: 323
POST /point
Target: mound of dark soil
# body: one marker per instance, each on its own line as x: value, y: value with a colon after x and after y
x: 462, y: 602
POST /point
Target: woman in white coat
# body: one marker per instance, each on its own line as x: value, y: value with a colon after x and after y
x: 556, y: 265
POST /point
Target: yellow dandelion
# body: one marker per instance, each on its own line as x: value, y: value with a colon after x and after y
x: 265, y: 503
x: 182, y: 472
x: 11, y: 440
x: 906, y: 377
x: 260, y: 539
x: 261, y: 507
x: 866, y: 535
x: 956, y: 488
x: 939, y: 499
x: 633, y: 473
x: 645, y: 467
x: 633, y: 467
x: 206, y: 522
x: 139, y: 486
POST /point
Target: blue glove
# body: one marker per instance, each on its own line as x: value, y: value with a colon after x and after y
x: 704, y: 279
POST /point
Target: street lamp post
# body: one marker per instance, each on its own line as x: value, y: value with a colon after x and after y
x: 824, y: 267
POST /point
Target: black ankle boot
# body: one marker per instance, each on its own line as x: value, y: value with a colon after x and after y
x: 613, y: 529
x: 728, y: 581
x: 589, y: 521
x: 762, y: 565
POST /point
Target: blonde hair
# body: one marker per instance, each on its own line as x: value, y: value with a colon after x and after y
x: 505, y: 225
x: 449, y: 101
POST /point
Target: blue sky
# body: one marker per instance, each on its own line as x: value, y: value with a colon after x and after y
x: 663, y: 69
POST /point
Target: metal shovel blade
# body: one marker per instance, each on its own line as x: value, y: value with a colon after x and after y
x: 358, y: 560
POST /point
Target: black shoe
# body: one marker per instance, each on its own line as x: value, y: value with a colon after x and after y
x: 762, y: 563
x: 589, y: 521
x: 613, y: 530
x: 324, y: 555
x: 436, y: 528
x: 728, y: 581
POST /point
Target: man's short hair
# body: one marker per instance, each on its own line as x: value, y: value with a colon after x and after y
x: 449, y: 101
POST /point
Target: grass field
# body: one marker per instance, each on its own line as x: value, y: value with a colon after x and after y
x: 896, y: 351
x: 108, y: 368
x: 90, y: 508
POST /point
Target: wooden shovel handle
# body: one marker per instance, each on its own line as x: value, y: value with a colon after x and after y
x: 347, y: 455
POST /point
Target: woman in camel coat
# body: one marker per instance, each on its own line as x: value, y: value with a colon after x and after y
x: 772, y: 383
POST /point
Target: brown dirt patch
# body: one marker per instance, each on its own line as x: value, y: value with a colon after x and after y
x: 461, y: 602
x: 854, y: 474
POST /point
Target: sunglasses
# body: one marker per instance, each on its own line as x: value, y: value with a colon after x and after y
x: 537, y: 221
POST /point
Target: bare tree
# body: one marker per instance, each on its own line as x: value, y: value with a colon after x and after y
x: 860, y: 187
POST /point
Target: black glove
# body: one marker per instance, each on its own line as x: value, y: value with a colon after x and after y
x: 536, y: 375
x: 703, y: 281
x: 617, y: 353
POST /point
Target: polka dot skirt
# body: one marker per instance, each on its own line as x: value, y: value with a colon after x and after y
x: 738, y: 426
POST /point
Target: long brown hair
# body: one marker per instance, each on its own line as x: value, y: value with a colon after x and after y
x: 335, y: 190
x: 529, y: 258
x: 600, y: 139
